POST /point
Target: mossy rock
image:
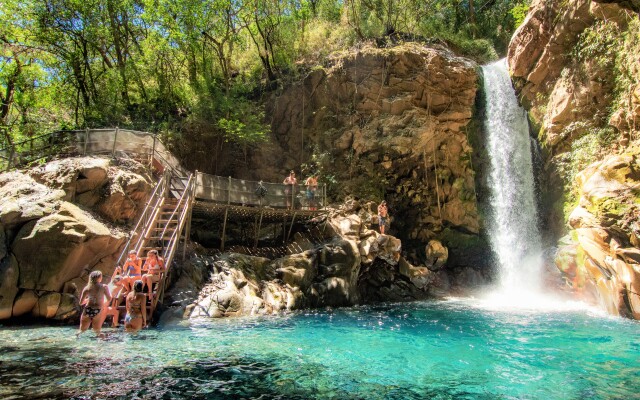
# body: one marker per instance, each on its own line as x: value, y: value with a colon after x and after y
x: 608, y: 207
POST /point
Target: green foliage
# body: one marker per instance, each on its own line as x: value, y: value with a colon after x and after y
x: 198, y: 71
x: 519, y: 13
x: 591, y: 145
x: 598, y: 43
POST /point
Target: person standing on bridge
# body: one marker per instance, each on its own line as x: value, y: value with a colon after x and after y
x: 383, y: 216
x: 290, y: 183
x: 312, y: 187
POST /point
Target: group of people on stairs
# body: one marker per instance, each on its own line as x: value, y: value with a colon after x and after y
x: 128, y: 282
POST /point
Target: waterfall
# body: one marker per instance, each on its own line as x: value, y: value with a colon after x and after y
x: 512, y: 225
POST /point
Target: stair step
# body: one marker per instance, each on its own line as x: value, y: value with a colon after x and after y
x: 168, y: 229
x: 146, y: 249
x: 169, y: 221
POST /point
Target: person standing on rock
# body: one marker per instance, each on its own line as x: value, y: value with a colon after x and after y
x: 383, y: 216
x: 92, y: 298
x: 290, y: 183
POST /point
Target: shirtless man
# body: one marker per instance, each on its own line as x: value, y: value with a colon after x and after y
x: 290, y: 184
x: 154, y: 265
x: 92, y: 298
x: 383, y: 216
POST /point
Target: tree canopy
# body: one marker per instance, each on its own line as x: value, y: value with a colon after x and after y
x: 197, y: 70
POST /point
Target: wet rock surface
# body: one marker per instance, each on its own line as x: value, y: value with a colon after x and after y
x: 600, y: 256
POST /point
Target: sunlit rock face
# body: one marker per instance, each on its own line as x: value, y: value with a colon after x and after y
x: 57, y: 224
x: 386, y: 122
x: 350, y: 263
x: 563, y: 63
x: 575, y: 67
x: 600, y: 258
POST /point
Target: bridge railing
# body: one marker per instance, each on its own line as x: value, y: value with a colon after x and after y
x: 245, y: 192
x: 147, y: 148
x: 143, y: 145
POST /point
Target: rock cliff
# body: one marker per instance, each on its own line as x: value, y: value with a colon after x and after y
x: 58, y: 223
x: 575, y: 66
x: 387, y: 123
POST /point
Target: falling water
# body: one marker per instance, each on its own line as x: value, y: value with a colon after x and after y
x: 513, y: 230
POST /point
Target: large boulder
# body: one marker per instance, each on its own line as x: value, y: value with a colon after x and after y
x: 116, y: 189
x: 62, y: 246
x: 50, y: 240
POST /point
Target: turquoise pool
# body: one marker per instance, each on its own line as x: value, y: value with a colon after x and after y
x: 449, y: 349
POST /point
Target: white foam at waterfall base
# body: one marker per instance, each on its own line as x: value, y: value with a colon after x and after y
x: 538, y: 302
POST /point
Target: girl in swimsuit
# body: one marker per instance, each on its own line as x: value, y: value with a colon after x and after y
x: 92, y: 298
x: 154, y: 265
x: 136, y: 317
x: 132, y: 269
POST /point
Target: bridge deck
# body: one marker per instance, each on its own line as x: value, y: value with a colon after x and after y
x: 212, y: 210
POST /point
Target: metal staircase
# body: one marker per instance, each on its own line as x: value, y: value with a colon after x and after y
x: 160, y: 228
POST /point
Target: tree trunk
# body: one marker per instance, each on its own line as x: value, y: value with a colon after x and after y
x: 7, y: 99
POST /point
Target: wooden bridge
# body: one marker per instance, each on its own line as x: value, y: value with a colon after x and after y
x: 178, y: 195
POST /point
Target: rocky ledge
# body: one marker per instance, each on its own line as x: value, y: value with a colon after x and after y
x: 341, y: 261
x: 600, y: 257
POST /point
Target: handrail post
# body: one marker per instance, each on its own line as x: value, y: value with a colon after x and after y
x: 324, y: 194
x: 187, y: 234
x: 86, y: 140
x: 11, y: 153
x: 115, y: 140
x: 226, y: 214
x: 153, y: 152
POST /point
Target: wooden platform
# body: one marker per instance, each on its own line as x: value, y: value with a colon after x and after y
x: 212, y: 210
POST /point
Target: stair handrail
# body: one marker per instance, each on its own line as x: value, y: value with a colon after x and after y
x: 178, y: 205
x: 173, y: 241
x: 144, y: 217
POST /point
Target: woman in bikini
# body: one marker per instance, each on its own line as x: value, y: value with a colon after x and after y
x: 136, y: 317
x: 154, y: 265
x: 92, y: 298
